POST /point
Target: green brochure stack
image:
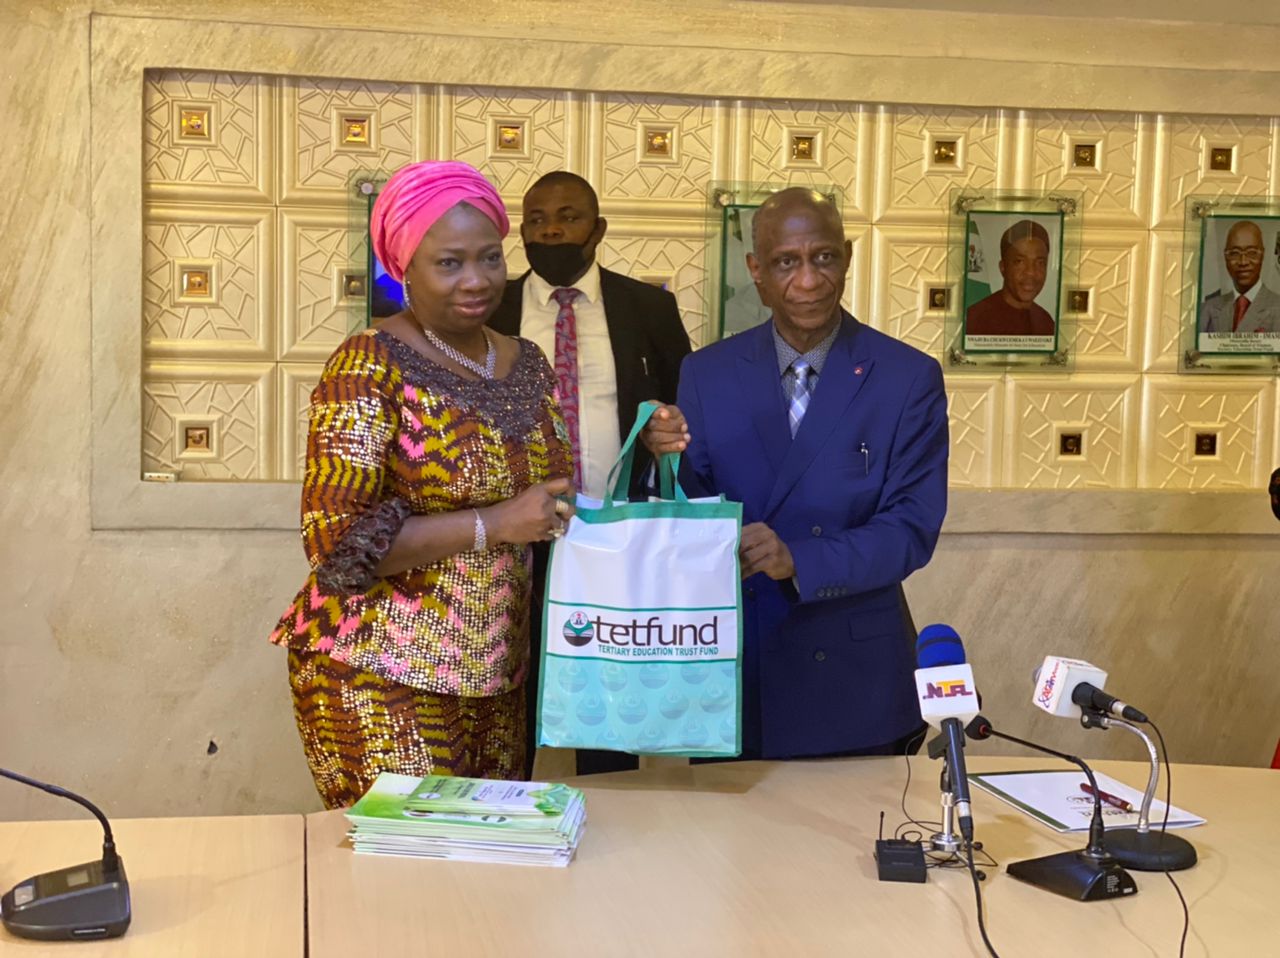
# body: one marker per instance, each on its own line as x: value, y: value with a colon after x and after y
x: 468, y: 819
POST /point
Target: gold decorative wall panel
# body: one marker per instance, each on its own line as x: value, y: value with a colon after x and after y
x: 975, y: 408
x: 1184, y: 146
x: 469, y: 121
x: 1169, y: 274
x: 294, y: 384
x: 906, y: 262
x: 1116, y: 185
x: 319, y: 249
x: 840, y: 135
x: 227, y: 157
x: 249, y: 246
x: 238, y: 402
x: 1242, y: 413
x: 911, y: 185
x: 235, y: 248
x: 319, y: 155
x: 678, y: 260
x: 1109, y: 332
x: 1101, y: 410
x: 680, y: 178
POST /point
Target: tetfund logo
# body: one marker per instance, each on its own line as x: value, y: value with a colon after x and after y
x: 634, y: 632
x: 579, y: 630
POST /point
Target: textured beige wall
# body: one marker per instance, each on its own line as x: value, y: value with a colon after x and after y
x: 123, y: 655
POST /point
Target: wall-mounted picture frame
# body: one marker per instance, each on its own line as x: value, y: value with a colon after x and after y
x: 1012, y: 257
x: 1231, y: 288
x: 379, y: 295
x: 731, y: 293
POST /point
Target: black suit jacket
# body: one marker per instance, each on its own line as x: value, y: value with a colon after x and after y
x: 649, y: 340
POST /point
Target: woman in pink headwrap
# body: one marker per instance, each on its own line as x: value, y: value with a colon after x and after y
x: 436, y: 454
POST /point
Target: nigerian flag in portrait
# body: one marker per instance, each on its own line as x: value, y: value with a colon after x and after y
x: 976, y: 286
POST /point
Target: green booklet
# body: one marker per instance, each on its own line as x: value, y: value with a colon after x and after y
x: 446, y: 793
x: 425, y: 815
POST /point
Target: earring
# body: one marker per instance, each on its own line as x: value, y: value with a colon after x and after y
x: 407, y: 293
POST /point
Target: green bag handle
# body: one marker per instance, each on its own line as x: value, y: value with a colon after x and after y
x: 620, y: 474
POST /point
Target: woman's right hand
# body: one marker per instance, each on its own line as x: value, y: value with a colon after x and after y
x: 531, y: 516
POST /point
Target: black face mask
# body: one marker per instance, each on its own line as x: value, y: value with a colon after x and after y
x: 558, y: 263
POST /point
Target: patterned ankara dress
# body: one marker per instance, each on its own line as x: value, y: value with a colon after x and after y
x: 420, y: 672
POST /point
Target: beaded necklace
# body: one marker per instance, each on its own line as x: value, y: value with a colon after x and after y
x: 490, y: 357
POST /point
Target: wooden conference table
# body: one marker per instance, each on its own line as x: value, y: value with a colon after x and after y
x: 776, y: 859
x: 232, y: 887
x: 743, y: 859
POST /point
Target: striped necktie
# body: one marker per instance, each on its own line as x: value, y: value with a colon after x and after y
x: 799, y: 394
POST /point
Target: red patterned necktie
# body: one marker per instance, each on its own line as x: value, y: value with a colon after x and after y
x: 567, y: 372
x: 1242, y: 304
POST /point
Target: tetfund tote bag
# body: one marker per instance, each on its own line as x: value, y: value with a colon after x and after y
x: 642, y: 634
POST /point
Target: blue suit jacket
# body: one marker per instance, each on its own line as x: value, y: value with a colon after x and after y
x: 858, y: 496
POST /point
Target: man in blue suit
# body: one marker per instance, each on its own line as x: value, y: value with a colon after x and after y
x: 834, y: 438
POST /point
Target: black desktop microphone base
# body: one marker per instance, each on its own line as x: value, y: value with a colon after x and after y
x: 1076, y: 875
x: 1151, y: 851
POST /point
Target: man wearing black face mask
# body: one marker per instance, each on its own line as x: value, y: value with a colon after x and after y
x: 614, y: 342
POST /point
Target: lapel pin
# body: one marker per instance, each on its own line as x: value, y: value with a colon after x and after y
x: 857, y: 370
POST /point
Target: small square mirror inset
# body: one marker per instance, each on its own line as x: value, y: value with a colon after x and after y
x: 355, y: 130
x: 195, y: 439
x: 1206, y: 444
x: 939, y: 297
x: 1221, y: 158
x: 657, y: 142
x: 804, y: 146
x: 194, y: 124
x: 510, y: 137
x: 1070, y: 444
x: 1078, y: 300
x: 196, y: 282
x: 1085, y: 155
x: 354, y: 285
x: 945, y: 152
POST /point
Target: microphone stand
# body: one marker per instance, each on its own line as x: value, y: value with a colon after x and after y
x: 1091, y: 874
x: 946, y: 840
x: 1140, y: 847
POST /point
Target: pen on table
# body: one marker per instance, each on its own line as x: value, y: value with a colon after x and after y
x: 1112, y: 800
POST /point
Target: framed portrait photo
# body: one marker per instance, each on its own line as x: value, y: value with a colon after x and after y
x: 734, y: 300
x: 1012, y: 281
x: 1237, y: 297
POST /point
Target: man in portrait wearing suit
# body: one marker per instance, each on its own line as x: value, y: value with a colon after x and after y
x: 833, y: 436
x: 1012, y: 310
x: 1249, y: 306
x: 614, y: 342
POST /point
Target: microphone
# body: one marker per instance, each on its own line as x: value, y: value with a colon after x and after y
x: 81, y: 902
x: 1062, y: 685
x: 1089, y: 875
x: 944, y: 682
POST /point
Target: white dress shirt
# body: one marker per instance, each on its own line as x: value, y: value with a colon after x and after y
x: 1250, y: 294
x: 598, y: 440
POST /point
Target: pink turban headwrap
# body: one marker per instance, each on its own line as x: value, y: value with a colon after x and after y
x: 415, y: 197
